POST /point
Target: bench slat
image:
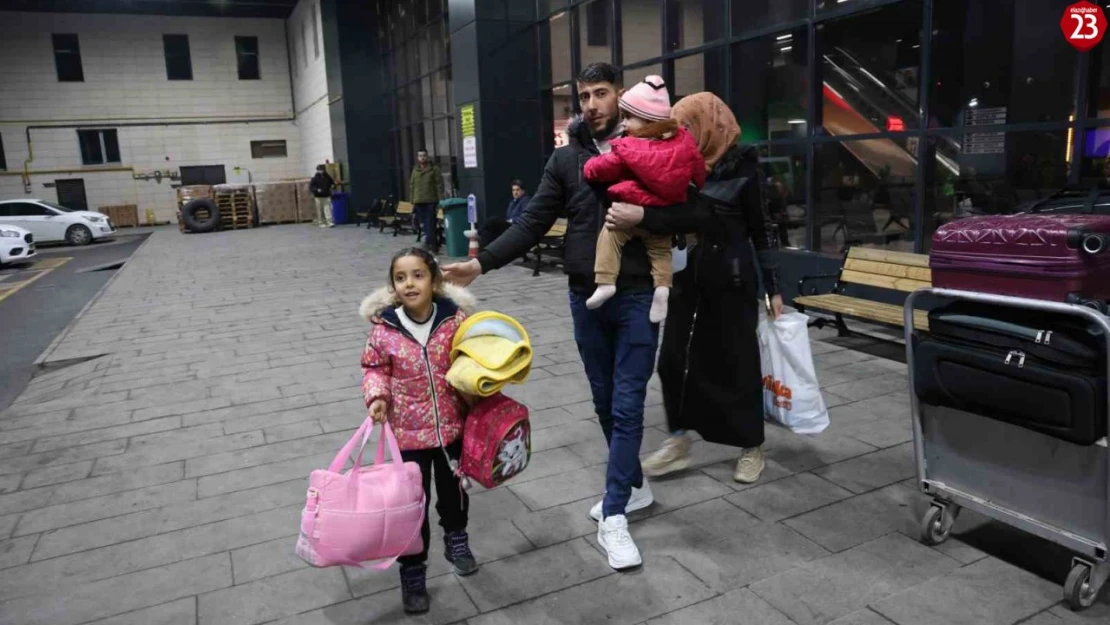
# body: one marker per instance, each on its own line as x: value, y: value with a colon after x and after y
x: 885, y: 256
x: 923, y: 274
x: 885, y: 282
x: 404, y: 208
x: 864, y: 309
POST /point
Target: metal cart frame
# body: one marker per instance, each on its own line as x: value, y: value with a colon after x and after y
x: 1036, y: 483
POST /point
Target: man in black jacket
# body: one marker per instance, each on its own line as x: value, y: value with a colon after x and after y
x: 617, y: 342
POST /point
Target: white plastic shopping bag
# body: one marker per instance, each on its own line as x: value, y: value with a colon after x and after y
x: 791, y: 395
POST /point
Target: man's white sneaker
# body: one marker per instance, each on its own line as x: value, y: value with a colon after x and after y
x: 641, y: 498
x: 613, y: 536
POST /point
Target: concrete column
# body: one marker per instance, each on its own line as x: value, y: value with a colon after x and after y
x: 359, y: 103
x: 495, y: 70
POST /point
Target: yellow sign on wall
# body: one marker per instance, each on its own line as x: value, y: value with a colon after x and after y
x: 466, y: 120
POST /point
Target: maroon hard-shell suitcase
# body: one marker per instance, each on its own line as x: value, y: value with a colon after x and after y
x: 1064, y: 258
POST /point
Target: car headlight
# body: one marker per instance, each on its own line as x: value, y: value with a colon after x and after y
x: 95, y: 220
x: 10, y: 234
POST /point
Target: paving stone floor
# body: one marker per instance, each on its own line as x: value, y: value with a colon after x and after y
x: 157, y: 479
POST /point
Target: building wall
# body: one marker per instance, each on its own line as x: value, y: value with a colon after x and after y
x: 310, y: 84
x: 125, y: 83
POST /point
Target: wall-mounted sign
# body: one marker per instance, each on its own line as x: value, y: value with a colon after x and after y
x: 469, y: 136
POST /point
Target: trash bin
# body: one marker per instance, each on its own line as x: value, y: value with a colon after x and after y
x: 455, y: 226
x: 339, y: 207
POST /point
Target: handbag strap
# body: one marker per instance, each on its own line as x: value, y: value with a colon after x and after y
x: 360, y: 438
x: 340, y: 459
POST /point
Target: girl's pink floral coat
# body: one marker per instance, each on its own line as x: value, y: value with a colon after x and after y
x: 424, y: 410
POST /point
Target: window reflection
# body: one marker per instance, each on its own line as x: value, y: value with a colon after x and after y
x: 595, y: 21
x: 785, y: 186
x: 1002, y: 56
x: 562, y: 110
x: 641, y: 29
x: 753, y: 14
x: 865, y: 195
x: 692, y: 23
x: 870, y: 64
x: 558, y: 28
x: 700, y: 72
x: 998, y: 173
x: 770, y: 86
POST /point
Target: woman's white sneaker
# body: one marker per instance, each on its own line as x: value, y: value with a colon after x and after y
x: 613, y: 536
x: 641, y: 498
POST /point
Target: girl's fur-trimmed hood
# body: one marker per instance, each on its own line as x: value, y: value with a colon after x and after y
x: 373, y: 305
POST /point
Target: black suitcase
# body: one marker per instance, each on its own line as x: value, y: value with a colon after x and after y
x: 1043, y: 372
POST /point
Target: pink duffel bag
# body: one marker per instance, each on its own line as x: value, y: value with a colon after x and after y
x: 497, y: 441
x: 367, y: 513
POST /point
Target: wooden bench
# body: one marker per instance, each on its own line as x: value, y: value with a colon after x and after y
x: 893, y: 271
x: 400, y: 218
x: 552, y: 245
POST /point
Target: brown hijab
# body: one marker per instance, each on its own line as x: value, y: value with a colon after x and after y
x: 711, y: 123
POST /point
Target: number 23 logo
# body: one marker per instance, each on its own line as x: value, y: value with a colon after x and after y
x: 1083, y: 25
x: 1088, y: 20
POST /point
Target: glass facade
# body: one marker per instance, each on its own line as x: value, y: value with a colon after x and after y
x: 417, y: 62
x: 876, y: 120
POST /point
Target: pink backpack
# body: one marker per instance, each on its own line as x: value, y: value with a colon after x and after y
x: 497, y: 441
x: 368, y: 513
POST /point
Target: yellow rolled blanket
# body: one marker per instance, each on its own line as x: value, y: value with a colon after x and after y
x: 490, y: 350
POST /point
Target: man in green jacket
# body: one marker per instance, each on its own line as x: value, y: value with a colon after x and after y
x: 426, y: 190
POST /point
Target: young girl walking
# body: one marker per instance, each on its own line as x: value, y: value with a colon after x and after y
x: 653, y: 165
x: 405, y: 365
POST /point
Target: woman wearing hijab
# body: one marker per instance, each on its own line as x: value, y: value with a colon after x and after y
x: 709, y: 363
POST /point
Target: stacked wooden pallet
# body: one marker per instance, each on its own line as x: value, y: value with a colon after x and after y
x: 306, y: 204
x: 236, y: 204
x: 277, y: 202
x: 121, y: 216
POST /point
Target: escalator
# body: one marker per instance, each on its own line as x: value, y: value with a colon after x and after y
x: 858, y: 101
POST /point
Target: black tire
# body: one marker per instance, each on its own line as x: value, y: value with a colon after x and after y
x: 78, y: 235
x: 194, y: 215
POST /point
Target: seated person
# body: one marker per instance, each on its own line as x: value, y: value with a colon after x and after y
x: 495, y: 226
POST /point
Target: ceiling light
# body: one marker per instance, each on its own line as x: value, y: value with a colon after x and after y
x: 784, y: 37
x: 796, y: 121
x: 786, y: 48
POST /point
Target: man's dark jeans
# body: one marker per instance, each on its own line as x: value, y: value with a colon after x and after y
x: 426, y: 217
x: 618, y: 343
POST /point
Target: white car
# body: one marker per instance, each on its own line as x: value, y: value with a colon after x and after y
x: 16, y: 244
x: 49, y: 222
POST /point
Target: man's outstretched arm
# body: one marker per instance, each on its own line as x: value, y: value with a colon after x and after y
x: 527, y: 230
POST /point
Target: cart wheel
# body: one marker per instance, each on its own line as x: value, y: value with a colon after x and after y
x: 1077, y: 589
x: 936, y: 526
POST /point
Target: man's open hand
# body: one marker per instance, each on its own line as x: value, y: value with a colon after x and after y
x: 464, y: 273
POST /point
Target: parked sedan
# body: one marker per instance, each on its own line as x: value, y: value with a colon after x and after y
x: 16, y: 244
x: 49, y: 222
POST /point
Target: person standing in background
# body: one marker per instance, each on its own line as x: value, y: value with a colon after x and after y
x: 321, y: 187
x: 425, y: 192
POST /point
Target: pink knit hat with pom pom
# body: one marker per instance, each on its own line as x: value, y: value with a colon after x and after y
x: 648, y: 100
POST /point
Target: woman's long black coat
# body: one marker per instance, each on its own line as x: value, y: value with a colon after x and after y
x: 709, y: 363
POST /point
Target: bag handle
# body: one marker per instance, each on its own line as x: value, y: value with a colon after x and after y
x: 364, y: 431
